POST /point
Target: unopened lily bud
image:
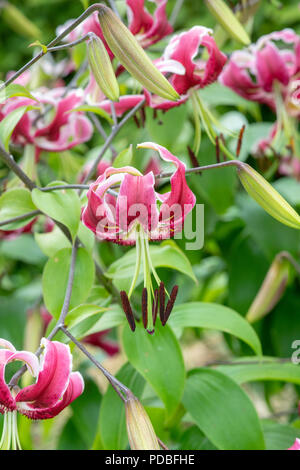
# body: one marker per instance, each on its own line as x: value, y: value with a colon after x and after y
x: 267, y: 197
x: 271, y: 289
x: 140, y: 431
x: 132, y: 56
x: 101, y: 68
x: 228, y: 20
x: 18, y: 22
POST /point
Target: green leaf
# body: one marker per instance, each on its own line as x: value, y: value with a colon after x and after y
x: 268, y: 369
x: 216, y: 317
x: 22, y: 248
x: 279, y: 436
x: 51, y: 242
x: 223, y: 411
x: 114, y: 316
x: 112, y: 424
x: 14, y: 203
x: 167, y: 254
x: 13, y: 90
x: 93, y: 109
x: 124, y: 158
x: 61, y: 205
x: 10, y: 121
x: 80, y: 313
x: 159, y: 359
x: 55, y: 279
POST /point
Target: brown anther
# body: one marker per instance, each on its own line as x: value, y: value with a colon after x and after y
x: 143, y: 116
x: 127, y: 310
x: 137, y: 122
x: 161, y: 301
x: 240, y: 140
x: 145, y: 307
x: 170, y: 304
x: 193, y: 157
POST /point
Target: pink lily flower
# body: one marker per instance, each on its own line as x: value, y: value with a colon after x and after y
x: 184, y: 70
x: 252, y: 73
x: 65, y: 130
x: 137, y: 214
x: 296, y: 445
x: 148, y: 29
x: 113, y: 218
x: 55, y: 388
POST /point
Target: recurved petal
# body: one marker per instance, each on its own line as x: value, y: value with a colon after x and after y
x: 7, y: 402
x: 271, y: 67
x: 74, y: 389
x: 53, y: 378
x: 180, y: 196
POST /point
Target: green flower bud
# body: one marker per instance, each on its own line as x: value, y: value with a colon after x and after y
x: 101, y: 68
x: 228, y: 20
x: 140, y: 431
x: 132, y: 56
x: 267, y: 197
x: 271, y: 289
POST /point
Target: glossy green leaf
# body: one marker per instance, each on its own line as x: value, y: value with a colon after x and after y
x: 10, y: 121
x: 112, y: 424
x: 13, y: 90
x: 223, y: 411
x: 62, y: 205
x: 55, y: 279
x: 114, y: 316
x: 216, y: 317
x: 159, y: 359
x: 124, y: 158
x: 279, y: 436
x: 14, y: 203
x: 93, y: 109
x: 268, y: 369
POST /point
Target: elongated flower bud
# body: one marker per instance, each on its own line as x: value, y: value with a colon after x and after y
x: 267, y: 197
x: 132, y: 56
x: 101, y: 68
x: 141, y: 434
x: 271, y: 289
x: 228, y: 20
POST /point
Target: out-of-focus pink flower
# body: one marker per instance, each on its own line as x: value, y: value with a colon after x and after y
x: 185, y: 71
x: 253, y: 72
x: 296, y: 445
x: 95, y: 97
x: 12, y: 234
x: 56, y: 386
x: 148, y: 29
x: 135, y: 208
x: 289, y: 165
x: 100, y: 341
x: 65, y: 130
